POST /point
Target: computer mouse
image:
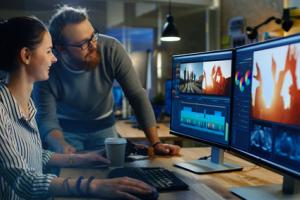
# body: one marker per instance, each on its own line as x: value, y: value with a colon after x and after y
x: 151, y: 196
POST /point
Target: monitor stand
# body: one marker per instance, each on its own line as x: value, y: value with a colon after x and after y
x: 215, y: 164
x: 290, y: 189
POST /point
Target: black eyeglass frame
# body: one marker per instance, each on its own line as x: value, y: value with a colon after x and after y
x: 94, y: 38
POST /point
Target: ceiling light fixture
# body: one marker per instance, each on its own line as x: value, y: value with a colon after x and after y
x: 170, y: 32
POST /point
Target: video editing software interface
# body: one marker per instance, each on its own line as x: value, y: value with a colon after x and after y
x: 266, y: 102
x: 201, y: 89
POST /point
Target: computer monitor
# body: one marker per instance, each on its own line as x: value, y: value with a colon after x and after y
x: 201, y: 90
x: 266, y: 111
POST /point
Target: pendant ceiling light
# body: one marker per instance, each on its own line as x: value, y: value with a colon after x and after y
x: 170, y: 32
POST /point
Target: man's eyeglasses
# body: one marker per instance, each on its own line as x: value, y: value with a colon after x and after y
x: 85, y: 43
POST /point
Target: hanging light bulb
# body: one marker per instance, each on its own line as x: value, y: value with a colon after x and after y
x: 170, y: 32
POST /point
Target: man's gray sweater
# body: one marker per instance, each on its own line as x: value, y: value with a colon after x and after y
x: 87, y: 95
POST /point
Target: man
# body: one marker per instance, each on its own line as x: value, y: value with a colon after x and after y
x: 75, y: 106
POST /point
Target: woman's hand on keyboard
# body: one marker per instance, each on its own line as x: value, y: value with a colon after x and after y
x: 119, y: 188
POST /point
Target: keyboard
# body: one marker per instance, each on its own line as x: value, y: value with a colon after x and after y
x: 160, y: 178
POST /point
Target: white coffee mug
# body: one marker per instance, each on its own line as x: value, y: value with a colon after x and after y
x: 115, y: 151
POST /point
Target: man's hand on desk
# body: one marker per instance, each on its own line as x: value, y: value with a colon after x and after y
x: 158, y: 148
x: 166, y: 149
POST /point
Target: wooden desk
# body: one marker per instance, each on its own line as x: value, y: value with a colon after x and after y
x: 125, y: 130
x: 211, y: 186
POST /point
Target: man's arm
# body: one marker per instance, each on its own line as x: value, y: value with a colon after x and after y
x: 46, y: 117
x: 151, y: 134
x: 159, y: 147
x: 138, y: 99
x: 55, y: 139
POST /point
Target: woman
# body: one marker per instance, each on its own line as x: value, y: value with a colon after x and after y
x: 26, y: 56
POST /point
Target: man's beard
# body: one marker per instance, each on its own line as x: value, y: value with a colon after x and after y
x: 92, y: 60
x: 89, y: 62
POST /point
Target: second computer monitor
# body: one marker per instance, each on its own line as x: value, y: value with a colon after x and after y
x: 201, y: 90
x: 266, y: 110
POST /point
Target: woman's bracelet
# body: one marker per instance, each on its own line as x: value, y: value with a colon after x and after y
x: 67, y: 186
x: 88, y: 184
x: 78, y: 184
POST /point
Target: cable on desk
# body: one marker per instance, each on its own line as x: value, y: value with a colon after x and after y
x: 204, y: 157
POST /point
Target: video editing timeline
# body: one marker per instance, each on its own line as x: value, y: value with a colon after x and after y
x: 266, y: 112
x: 204, y: 118
x: 201, y: 88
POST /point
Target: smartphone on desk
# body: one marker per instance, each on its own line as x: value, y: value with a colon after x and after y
x: 135, y: 157
x: 138, y: 157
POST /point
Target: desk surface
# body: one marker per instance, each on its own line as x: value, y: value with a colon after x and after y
x: 211, y: 186
x: 126, y: 130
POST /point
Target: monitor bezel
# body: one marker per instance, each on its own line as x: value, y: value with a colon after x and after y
x: 216, y: 144
x: 244, y: 154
